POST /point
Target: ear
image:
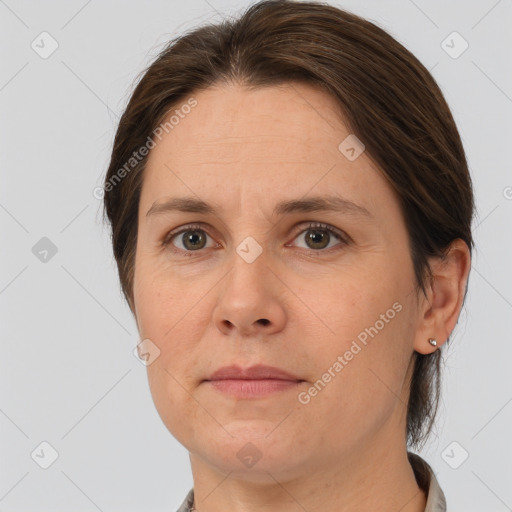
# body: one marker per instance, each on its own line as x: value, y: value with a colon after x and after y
x: 439, y: 310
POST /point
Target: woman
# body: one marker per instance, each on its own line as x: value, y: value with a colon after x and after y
x: 291, y: 208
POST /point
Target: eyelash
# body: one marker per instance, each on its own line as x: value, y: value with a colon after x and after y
x: 342, y: 237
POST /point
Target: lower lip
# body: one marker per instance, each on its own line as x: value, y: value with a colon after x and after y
x: 252, y: 388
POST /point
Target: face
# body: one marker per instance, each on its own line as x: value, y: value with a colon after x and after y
x: 266, y: 276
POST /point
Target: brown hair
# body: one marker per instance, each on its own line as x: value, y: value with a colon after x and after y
x: 388, y: 100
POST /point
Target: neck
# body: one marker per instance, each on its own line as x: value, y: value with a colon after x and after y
x: 377, y: 477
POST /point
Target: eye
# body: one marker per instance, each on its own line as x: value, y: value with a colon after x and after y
x: 187, y: 240
x: 318, y: 236
x: 192, y: 238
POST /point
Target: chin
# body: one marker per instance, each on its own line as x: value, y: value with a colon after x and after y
x: 253, y: 454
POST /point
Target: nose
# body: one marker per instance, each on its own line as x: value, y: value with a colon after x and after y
x: 250, y: 300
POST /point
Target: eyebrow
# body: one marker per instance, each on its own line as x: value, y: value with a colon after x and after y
x: 311, y: 204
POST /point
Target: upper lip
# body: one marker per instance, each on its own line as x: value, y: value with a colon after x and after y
x: 259, y: 371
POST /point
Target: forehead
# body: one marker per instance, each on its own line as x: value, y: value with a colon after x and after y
x: 257, y: 144
x: 232, y: 119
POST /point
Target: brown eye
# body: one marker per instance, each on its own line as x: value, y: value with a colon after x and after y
x: 321, y: 237
x: 188, y: 240
x: 193, y: 240
x: 317, y: 239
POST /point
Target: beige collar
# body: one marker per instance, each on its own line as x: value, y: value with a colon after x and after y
x: 427, y: 481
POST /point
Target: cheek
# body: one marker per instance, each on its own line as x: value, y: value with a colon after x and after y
x: 346, y: 304
x: 173, y: 313
x: 173, y: 402
x: 165, y: 317
x: 365, y: 330
x: 157, y: 301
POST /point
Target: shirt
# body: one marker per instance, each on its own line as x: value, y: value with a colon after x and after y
x: 425, y: 477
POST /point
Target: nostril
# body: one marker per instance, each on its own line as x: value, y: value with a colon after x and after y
x: 264, y: 321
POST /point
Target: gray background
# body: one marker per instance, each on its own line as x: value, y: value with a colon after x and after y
x: 68, y: 373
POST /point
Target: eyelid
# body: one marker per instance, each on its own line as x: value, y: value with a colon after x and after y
x: 321, y: 226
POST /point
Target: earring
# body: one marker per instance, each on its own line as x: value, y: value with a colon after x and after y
x: 432, y: 341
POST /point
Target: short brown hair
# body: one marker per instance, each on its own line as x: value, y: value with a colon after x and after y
x: 388, y: 100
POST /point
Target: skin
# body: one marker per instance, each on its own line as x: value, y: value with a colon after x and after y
x: 244, y: 151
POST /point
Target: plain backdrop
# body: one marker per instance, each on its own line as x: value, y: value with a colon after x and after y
x: 69, y: 378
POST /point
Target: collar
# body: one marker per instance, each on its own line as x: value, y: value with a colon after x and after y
x: 427, y: 481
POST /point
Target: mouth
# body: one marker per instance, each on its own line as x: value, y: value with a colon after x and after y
x: 253, y: 382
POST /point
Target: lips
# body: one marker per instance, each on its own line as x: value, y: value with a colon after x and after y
x: 257, y: 382
x: 257, y: 372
